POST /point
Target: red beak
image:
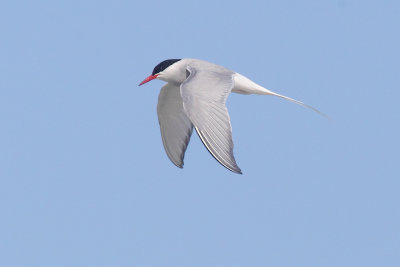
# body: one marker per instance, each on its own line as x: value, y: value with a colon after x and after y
x: 148, y: 79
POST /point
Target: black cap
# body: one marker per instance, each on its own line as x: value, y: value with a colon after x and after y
x: 163, y: 65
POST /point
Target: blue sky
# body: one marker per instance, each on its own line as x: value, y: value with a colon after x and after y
x: 84, y: 177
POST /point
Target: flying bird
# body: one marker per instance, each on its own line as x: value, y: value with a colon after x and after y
x: 194, y: 97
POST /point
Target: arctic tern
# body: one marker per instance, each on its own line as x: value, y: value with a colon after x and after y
x: 195, y: 96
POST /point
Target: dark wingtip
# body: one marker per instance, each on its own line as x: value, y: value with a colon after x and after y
x: 238, y: 171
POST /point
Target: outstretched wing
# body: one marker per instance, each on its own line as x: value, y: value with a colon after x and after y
x: 204, y: 94
x: 176, y: 128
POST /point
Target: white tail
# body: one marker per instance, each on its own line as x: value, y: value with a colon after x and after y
x: 243, y: 85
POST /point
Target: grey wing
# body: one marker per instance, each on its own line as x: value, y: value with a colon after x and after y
x: 176, y: 128
x: 204, y: 94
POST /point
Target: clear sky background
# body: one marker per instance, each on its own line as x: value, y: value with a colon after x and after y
x: 85, y: 181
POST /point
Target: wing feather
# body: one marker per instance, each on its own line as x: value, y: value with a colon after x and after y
x: 176, y: 128
x: 204, y: 95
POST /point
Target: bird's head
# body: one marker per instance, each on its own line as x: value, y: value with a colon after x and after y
x: 161, y: 71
